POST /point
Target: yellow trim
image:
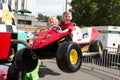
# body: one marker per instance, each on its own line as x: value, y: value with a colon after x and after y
x: 85, y: 48
x: 6, y: 16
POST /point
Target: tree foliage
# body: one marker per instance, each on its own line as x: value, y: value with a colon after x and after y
x: 96, y: 12
x: 59, y: 18
x: 42, y: 17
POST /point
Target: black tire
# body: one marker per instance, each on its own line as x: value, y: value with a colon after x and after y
x: 96, y: 46
x: 13, y: 73
x: 24, y: 61
x: 63, y: 57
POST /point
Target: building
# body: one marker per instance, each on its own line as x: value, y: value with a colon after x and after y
x: 21, y: 4
x: 26, y: 20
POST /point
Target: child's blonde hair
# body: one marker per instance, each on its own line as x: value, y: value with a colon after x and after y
x: 56, y: 20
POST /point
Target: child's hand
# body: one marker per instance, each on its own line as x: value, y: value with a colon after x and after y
x: 59, y: 31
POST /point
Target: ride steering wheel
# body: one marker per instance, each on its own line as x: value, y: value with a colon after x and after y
x: 37, y: 30
x: 56, y: 28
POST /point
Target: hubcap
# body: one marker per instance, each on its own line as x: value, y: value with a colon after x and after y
x: 73, y: 56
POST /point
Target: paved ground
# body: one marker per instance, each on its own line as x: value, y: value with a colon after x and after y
x: 51, y: 72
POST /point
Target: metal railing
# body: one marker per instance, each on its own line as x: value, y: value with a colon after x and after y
x: 108, y: 64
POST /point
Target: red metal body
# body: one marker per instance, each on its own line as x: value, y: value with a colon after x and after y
x: 84, y: 35
x: 93, y: 36
x: 47, y: 37
x: 4, y: 44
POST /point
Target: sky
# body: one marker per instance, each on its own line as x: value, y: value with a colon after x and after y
x: 45, y: 7
x: 50, y: 7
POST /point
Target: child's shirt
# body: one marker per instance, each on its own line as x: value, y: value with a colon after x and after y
x: 65, y: 26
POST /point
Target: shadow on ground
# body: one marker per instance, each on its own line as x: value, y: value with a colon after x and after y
x: 47, y: 71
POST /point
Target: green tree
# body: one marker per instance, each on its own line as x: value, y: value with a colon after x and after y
x: 42, y: 17
x: 96, y: 12
x: 59, y: 18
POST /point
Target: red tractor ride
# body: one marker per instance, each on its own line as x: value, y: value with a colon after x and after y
x: 60, y: 45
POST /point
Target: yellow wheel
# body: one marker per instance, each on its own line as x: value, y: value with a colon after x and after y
x: 73, y: 56
x: 100, y: 49
x: 96, y: 46
x: 69, y: 57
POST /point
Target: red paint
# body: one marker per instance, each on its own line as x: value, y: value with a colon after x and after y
x: 47, y: 37
x: 4, y: 44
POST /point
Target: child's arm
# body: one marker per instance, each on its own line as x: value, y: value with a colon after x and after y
x: 66, y: 30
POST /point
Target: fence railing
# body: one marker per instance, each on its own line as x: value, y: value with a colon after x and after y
x: 108, y: 64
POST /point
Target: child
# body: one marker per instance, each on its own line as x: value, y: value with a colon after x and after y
x: 52, y: 21
x: 53, y: 24
x: 66, y: 24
